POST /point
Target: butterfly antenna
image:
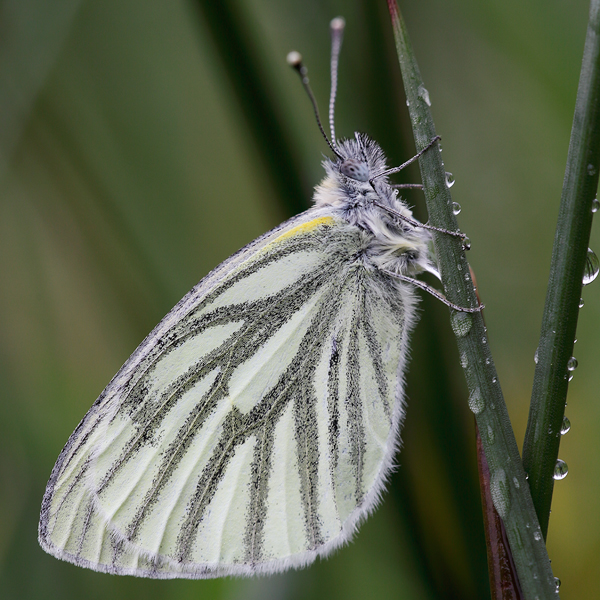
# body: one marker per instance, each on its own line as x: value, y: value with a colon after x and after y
x: 294, y: 59
x: 336, y: 26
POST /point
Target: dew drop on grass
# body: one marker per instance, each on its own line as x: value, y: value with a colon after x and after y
x: 561, y: 470
x: 424, y: 93
x: 592, y: 266
x: 500, y: 492
x: 476, y: 402
x: 461, y: 323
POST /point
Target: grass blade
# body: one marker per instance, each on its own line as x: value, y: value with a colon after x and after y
x: 509, y: 489
x: 569, y: 256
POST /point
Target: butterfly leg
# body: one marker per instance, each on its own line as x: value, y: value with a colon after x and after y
x: 414, y: 223
x: 433, y: 292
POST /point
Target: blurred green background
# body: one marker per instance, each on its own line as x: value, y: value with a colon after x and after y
x: 142, y: 142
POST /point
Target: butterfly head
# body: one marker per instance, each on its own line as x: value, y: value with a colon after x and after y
x: 357, y: 190
x: 359, y: 159
x: 349, y: 182
x: 353, y: 190
x: 355, y: 169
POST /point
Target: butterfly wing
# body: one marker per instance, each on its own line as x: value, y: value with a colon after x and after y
x: 253, y: 428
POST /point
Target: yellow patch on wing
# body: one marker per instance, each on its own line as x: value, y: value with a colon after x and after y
x: 305, y: 228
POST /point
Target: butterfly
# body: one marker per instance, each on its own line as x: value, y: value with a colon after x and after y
x: 256, y: 425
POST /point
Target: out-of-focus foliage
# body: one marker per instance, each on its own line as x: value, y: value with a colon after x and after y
x: 131, y: 163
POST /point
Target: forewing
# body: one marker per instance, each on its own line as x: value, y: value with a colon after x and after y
x: 252, y: 428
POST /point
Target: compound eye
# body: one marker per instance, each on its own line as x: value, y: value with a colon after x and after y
x: 355, y: 169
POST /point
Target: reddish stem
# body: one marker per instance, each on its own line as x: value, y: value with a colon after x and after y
x: 504, y: 583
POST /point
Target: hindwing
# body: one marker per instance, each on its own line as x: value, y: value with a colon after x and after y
x: 253, y: 428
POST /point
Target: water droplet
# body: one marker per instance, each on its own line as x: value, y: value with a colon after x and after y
x: 494, y: 379
x: 461, y: 323
x: 484, y: 340
x: 464, y: 361
x: 500, y: 492
x: 407, y: 102
x: 516, y: 482
x: 592, y: 266
x: 456, y: 208
x: 537, y: 536
x: 423, y: 93
x: 581, y: 302
x: 575, y: 341
x: 566, y: 426
x: 557, y: 582
x: 476, y: 402
x: 572, y: 364
x: 570, y: 378
x: 595, y: 205
x: 450, y: 181
x: 536, y: 356
x: 591, y: 169
x: 487, y: 361
x: 466, y: 242
x: 561, y: 470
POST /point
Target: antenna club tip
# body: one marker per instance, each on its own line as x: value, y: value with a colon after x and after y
x: 294, y: 59
x: 337, y: 24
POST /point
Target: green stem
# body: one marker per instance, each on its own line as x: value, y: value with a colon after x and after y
x: 569, y: 255
x: 509, y: 489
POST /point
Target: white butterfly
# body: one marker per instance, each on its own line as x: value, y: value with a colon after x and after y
x: 257, y: 424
